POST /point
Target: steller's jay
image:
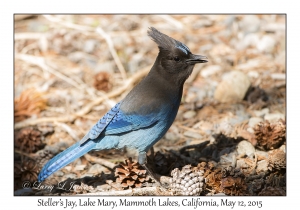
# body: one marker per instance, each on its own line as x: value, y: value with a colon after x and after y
x: 145, y: 114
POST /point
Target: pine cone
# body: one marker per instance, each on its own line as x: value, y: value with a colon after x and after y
x: 233, y: 181
x: 255, y: 186
x: 130, y: 174
x: 27, y: 104
x: 188, y: 181
x: 28, y: 140
x: 276, y: 160
x: 212, y: 175
x: 233, y: 185
x: 43, y: 157
x: 276, y: 180
x: 102, y: 81
x: 27, y: 170
x: 270, y: 135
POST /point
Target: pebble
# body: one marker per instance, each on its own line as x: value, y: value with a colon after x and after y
x: 96, y: 169
x: 76, y: 56
x: 278, y: 76
x: 249, y: 40
x: 253, y: 74
x: 171, y: 136
x: 79, y: 167
x: 250, y: 24
x: 89, y: 45
x: 68, y: 168
x: 86, y: 175
x: 58, y: 173
x: 262, y: 166
x: 254, y: 121
x: 233, y: 87
x: 245, y: 147
x: 273, y: 117
x: 283, y: 148
x: 210, y: 70
x: 266, y: 44
x: 241, y: 163
x: 249, y: 65
x: 261, y: 113
x: 189, y: 114
x: 250, y: 130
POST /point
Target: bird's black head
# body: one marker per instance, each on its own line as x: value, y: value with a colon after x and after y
x: 174, y: 57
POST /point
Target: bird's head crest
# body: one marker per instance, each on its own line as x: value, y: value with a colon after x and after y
x: 165, y: 42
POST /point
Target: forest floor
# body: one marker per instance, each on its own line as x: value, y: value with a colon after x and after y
x: 229, y: 136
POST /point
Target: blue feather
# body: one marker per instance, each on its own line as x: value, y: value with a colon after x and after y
x: 65, y: 157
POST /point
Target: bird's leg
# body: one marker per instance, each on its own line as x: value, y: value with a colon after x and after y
x: 142, y: 159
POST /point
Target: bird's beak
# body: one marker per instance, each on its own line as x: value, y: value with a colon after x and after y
x: 197, y: 59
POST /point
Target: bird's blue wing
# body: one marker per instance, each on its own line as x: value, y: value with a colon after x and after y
x: 115, y: 122
x: 128, y: 122
x: 97, y: 129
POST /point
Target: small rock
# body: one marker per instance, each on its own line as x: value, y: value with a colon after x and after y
x: 283, y: 148
x: 249, y: 40
x: 266, y: 44
x: 249, y: 65
x: 192, y: 134
x: 233, y: 87
x: 261, y: 113
x: 96, y: 169
x: 89, y: 45
x: 253, y: 74
x: 250, y: 24
x: 274, y: 117
x: 171, y: 136
x: 189, y: 114
x: 68, y: 168
x: 76, y: 56
x: 210, y: 70
x: 278, y: 76
x: 245, y: 147
x: 86, y: 175
x: 262, y: 166
x: 253, y: 121
x: 79, y: 167
x: 58, y: 173
x: 225, y: 158
x: 241, y: 164
x: 71, y: 176
x: 250, y: 130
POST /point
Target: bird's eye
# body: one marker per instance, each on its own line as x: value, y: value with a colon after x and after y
x: 176, y: 58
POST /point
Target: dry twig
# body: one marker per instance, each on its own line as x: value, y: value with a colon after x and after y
x: 128, y: 84
x: 101, y: 161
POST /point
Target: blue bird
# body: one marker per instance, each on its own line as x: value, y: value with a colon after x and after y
x: 145, y: 114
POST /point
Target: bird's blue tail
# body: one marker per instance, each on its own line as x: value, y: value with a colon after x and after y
x: 64, y: 158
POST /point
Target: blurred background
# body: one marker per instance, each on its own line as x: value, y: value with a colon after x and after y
x: 70, y: 70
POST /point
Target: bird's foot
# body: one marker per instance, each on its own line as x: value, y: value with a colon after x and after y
x: 142, y: 159
x: 155, y: 177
